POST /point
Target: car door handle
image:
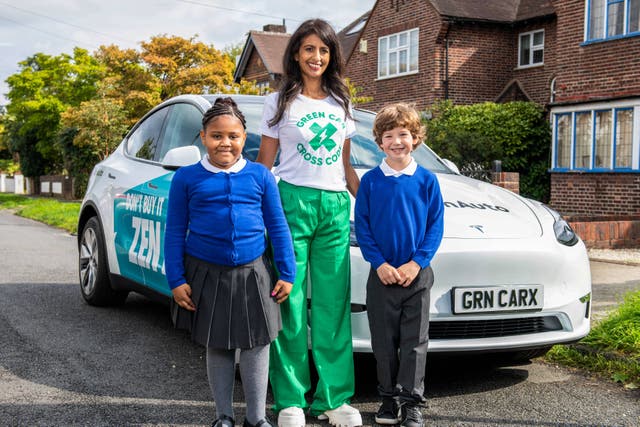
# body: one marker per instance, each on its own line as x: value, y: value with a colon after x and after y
x: 153, y: 187
x: 111, y: 176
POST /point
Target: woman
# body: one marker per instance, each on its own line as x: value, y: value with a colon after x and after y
x: 309, y: 120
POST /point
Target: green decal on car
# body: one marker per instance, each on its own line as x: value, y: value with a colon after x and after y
x: 139, y: 222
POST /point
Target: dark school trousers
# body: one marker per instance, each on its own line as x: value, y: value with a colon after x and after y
x: 399, y: 325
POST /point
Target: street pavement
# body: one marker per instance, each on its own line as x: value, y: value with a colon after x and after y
x: 64, y: 363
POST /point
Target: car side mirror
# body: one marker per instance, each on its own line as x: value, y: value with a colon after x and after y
x: 181, y: 156
x: 448, y: 163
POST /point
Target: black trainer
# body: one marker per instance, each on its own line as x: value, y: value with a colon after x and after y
x: 411, y: 415
x: 389, y: 412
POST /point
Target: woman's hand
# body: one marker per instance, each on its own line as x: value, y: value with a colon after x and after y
x: 281, y: 291
x: 182, y: 296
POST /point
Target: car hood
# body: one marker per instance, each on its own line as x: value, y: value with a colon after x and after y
x: 477, y: 210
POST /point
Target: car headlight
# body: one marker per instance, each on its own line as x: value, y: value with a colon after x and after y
x: 563, y: 231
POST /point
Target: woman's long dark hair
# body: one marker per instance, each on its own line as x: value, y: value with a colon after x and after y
x: 332, y: 80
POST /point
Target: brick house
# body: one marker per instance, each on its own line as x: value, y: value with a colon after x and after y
x: 463, y: 50
x: 576, y: 58
x: 261, y: 58
x: 595, y: 116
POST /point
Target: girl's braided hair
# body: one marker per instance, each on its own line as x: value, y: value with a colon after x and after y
x: 223, y: 107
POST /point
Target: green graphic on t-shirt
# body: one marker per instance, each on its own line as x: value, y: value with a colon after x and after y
x: 323, y: 136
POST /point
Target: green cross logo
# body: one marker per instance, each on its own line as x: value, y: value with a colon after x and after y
x: 323, y: 136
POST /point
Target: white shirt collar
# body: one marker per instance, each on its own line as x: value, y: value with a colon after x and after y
x: 389, y: 171
x: 237, y: 166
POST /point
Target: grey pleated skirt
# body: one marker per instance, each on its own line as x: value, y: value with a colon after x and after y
x: 234, y: 306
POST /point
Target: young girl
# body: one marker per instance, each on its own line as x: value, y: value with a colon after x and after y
x: 309, y: 120
x: 220, y: 279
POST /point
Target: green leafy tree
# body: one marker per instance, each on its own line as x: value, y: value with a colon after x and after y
x: 90, y: 132
x: 354, y: 91
x: 472, y: 136
x: 44, y: 87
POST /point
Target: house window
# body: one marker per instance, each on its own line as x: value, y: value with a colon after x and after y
x: 563, y: 135
x: 603, y: 140
x: 531, y: 48
x: 584, y: 140
x: 624, y: 136
x: 612, y: 18
x: 398, y: 54
x: 596, y: 139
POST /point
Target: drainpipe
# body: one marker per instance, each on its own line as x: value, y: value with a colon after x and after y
x: 446, y: 67
x: 445, y: 81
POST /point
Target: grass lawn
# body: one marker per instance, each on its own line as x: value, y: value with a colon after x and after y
x: 612, y: 348
x: 50, y: 211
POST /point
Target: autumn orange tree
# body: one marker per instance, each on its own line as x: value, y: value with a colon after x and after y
x: 128, y: 81
x: 187, y: 66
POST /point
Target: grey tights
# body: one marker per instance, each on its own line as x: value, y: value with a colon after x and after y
x: 254, y: 372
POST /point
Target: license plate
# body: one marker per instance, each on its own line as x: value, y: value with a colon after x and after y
x: 497, y: 298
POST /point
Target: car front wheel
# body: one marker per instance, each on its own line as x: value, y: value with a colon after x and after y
x: 95, y: 285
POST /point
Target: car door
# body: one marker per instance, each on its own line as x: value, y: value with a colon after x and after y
x: 135, y: 224
x: 182, y: 127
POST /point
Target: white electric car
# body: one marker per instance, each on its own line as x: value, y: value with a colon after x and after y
x: 510, y: 276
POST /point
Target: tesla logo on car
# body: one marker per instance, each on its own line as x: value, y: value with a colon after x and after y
x: 477, y: 227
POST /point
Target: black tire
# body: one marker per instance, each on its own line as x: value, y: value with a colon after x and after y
x: 93, y: 267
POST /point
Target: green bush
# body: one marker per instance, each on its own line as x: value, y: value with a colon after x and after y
x: 9, y: 166
x: 472, y: 136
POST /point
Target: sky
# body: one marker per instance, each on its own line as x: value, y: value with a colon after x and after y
x: 53, y: 27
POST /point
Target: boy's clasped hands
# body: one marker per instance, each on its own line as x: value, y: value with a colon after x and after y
x: 403, y: 275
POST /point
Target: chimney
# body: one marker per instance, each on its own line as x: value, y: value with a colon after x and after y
x: 274, y: 28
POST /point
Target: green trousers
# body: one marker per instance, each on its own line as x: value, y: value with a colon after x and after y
x: 319, y: 223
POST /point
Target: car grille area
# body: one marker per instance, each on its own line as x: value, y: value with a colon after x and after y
x: 467, y: 329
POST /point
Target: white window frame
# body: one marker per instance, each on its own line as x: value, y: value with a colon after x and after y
x: 614, y: 108
x: 605, y: 6
x: 532, y: 49
x: 410, y: 50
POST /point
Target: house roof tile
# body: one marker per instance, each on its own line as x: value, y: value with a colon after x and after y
x: 506, y: 11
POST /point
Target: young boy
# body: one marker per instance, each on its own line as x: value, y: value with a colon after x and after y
x: 399, y: 225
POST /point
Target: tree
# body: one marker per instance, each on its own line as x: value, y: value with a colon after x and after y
x: 90, y: 132
x: 128, y: 81
x: 515, y: 132
x: 43, y: 88
x: 354, y: 91
x: 187, y: 66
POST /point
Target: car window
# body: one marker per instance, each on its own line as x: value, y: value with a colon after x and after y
x: 142, y: 143
x: 366, y: 154
x: 182, y: 128
x: 253, y: 114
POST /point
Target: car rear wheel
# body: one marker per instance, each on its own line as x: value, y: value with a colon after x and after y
x: 95, y: 285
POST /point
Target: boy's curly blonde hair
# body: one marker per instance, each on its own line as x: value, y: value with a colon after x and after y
x: 396, y: 115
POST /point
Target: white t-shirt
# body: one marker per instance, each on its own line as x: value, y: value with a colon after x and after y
x: 311, y: 134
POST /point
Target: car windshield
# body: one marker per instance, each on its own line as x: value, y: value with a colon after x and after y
x: 365, y: 153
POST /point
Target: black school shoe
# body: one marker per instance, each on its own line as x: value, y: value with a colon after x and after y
x: 262, y: 423
x: 389, y: 412
x: 412, y: 415
x: 224, y: 421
